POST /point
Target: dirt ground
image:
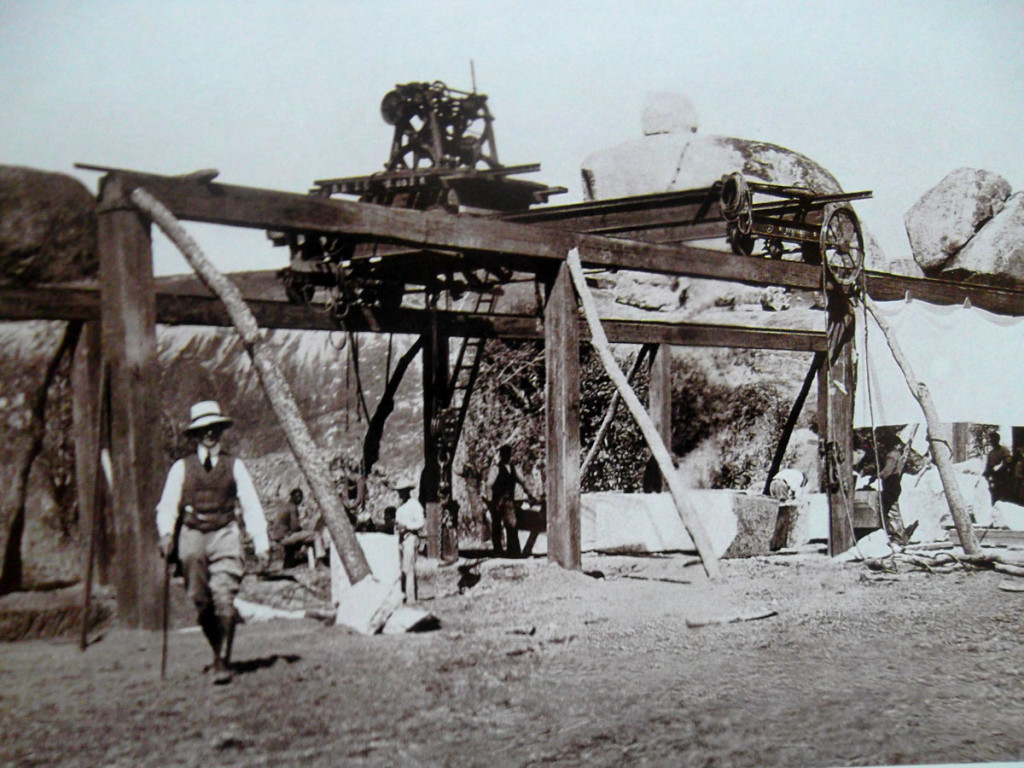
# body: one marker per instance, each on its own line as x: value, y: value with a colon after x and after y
x: 534, y: 665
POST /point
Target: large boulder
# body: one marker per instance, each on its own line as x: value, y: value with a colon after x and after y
x: 47, y: 227
x: 671, y: 156
x: 949, y: 214
x: 997, y: 250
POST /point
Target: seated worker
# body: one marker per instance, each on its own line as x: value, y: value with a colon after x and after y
x: 299, y: 542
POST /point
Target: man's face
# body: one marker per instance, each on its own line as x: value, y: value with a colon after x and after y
x: 211, y: 436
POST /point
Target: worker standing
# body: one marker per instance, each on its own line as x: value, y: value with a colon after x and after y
x: 999, y: 470
x: 409, y: 521
x: 499, y: 495
x: 891, y: 477
x: 198, y: 509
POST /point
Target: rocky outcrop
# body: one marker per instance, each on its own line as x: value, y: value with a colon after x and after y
x: 658, y: 293
x: 998, y: 247
x: 47, y: 227
x: 949, y: 214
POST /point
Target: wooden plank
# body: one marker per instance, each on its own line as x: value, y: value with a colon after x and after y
x: 129, y: 349
x: 615, y: 253
x: 52, y: 302
x: 886, y: 287
x: 562, y: 413
x: 57, y: 302
x: 659, y: 396
x: 266, y: 209
x: 709, y: 335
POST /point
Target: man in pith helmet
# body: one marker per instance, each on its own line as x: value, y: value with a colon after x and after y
x: 196, y: 519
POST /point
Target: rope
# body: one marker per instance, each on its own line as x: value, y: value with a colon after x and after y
x: 359, y: 382
x: 871, y: 417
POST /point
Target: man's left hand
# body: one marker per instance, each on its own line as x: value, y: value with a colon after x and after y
x: 262, y: 561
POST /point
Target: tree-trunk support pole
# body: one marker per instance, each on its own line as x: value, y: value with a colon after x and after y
x: 129, y: 350
x: 275, y: 386
x: 939, y: 434
x: 562, y: 413
x: 794, y: 414
x: 686, y: 511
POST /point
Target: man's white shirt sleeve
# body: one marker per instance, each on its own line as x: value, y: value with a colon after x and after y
x: 252, y: 510
x: 167, y: 508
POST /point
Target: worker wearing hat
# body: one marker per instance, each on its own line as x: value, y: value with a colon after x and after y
x: 198, y: 508
x: 409, y: 521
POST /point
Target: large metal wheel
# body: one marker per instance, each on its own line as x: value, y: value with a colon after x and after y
x: 842, y: 243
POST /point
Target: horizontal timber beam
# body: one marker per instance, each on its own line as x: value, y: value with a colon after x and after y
x: 60, y: 303
x: 272, y: 210
x: 885, y: 287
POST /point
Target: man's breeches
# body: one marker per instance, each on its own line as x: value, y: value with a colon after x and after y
x: 408, y: 549
x: 214, y: 564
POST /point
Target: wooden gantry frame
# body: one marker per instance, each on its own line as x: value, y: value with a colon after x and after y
x: 650, y: 233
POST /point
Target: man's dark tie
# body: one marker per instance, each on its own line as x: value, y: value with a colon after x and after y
x: 208, y: 464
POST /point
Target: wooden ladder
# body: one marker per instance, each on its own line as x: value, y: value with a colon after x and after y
x: 463, y: 378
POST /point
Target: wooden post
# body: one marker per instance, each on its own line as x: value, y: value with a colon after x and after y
x: 822, y: 422
x: 961, y: 440
x: 562, y: 401
x: 128, y: 320
x: 435, y: 398
x: 659, y: 395
x: 838, y: 431
x: 85, y: 408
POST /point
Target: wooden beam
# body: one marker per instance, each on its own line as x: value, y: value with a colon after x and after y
x: 615, y: 253
x: 659, y: 395
x: 265, y: 209
x: 886, y: 287
x: 562, y: 413
x: 55, y: 302
x: 709, y: 335
x: 129, y: 350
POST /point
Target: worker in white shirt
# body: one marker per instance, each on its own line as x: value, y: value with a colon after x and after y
x: 196, y: 521
x: 409, y: 521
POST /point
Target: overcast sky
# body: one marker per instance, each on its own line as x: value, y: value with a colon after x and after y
x: 889, y: 96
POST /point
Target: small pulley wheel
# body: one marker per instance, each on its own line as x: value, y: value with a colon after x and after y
x: 842, y: 243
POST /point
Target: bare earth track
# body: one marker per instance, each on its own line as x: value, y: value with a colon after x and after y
x: 538, y: 666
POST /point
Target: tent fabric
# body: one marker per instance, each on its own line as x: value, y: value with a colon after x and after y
x: 969, y: 359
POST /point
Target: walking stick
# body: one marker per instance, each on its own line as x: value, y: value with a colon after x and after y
x: 167, y: 601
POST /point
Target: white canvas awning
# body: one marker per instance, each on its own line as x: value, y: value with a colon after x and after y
x: 971, y: 360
